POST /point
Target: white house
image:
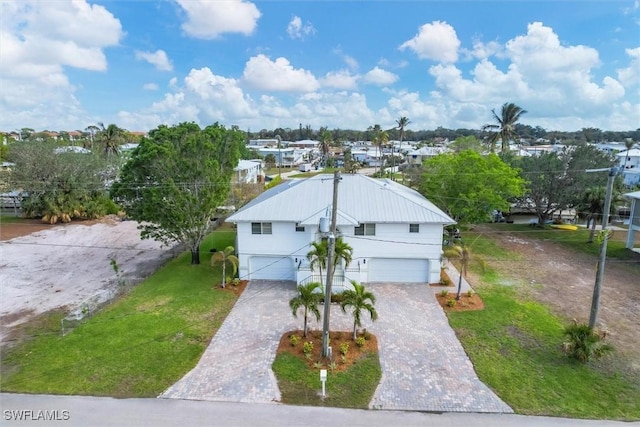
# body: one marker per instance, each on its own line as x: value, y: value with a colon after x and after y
x: 634, y: 219
x: 630, y: 164
x: 395, y: 233
x: 416, y: 157
x: 248, y: 171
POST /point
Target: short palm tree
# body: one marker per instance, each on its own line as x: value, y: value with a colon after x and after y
x: 593, y: 202
x: 464, y: 256
x: 584, y: 344
x: 308, y: 297
x: 359, y: 299
x: 505, y: 127
x: 225, y: 257
x: 111, y: 137
x: 319, y: 254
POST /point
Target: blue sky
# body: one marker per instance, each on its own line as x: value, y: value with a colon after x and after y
x: 65, y: 65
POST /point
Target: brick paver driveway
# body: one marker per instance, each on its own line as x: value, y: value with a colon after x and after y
x: 424, y: 367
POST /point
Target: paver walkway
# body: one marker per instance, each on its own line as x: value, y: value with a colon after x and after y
x: 424, y: 367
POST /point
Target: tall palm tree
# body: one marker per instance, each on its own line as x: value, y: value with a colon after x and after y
x: 464, y: 256
x: 326, y: 140
x: 110, y: 137
x: 308, y: 297
x: 225, y: 257
x: 505, y: 127
x: 402, y: 122
x: 380, y: 138
x: 628, y: 144
x: 593, y: 202
x: 359, y: 300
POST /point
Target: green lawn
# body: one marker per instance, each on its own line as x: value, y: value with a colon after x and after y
x: 138, y: 346
x: 514, y: 345
x: 353, y: 388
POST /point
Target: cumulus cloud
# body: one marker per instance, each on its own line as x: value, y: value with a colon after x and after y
x: 297, y: 30
x: 378, y: 76
x: 159, y: 59
x: 436, y: 41
x: 209, y: 19
x: 342, y: 79
x: 37, y: 40
x: 262, y: 73
x: 630, y: 76
x: 483, y: 50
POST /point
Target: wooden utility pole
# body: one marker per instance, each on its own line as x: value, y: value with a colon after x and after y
x: 595, y: 301
x: 326, y: 352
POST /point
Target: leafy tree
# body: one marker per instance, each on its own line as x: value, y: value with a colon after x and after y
x: 505, y: 127
x: 61, y: 185
x: 584, y: 344
x: 308, y: 297
x: 465, y: 257
x: 270, y: 161
x: 176, y: 179
x: 466, y: 143
x: 468, y: 186
x: 224, y: 257
x: 359, y: 299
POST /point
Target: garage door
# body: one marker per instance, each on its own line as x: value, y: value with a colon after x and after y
x: 398, y: 270
x: 271, y: 268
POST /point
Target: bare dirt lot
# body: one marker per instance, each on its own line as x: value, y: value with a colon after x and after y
x: 564, y: 279
x: 44, y: 267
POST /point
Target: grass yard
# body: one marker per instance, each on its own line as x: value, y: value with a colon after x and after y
x: 136, y: 347
x: 514, y: 345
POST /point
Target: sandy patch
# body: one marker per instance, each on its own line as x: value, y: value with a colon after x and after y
x: 65, y: 265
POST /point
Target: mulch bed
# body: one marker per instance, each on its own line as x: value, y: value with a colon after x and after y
x: 467, y: 302
x: 337, y: 338
x: 234, y: 289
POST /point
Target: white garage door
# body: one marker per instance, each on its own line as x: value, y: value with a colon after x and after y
x: 398, y: 270
x: 271, y: 268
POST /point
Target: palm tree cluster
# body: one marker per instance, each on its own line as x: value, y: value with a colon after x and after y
x: 505, y: 126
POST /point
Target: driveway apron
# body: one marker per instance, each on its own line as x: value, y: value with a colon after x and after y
x: 424, y: 367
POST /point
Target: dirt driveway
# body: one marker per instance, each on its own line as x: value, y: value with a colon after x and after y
x: 564, y: 279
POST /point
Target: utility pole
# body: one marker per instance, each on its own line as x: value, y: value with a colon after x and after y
x: 595, y: 301
x: 330, y: 250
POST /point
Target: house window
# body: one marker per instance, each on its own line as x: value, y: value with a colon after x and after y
x: 260, y: 228
x: 365, y: 230
x: 414, y: 228
x: 299, y: 228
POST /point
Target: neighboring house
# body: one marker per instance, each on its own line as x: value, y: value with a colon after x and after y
x: 416, y: 157
x: 287, y: 157
x: 634, y: 219
x: 248, y: 171
x: 396, y: 233
x: 630, y: 164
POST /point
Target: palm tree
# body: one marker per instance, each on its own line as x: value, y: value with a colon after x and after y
x: 319, y: 254
x: 505, y: 127
x: 628, y: 144
x: 380, y: 138
x: 402, y: 122
x: 309, y: 296
x: 326, y: 141
x: 225, y: 257
x: 279, y: 139
x: 593, y: 202
x: 358, y: 299
x: 464, y: 256
x: 110, y: 137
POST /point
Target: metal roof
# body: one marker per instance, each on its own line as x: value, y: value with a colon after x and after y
x: 360, y: 198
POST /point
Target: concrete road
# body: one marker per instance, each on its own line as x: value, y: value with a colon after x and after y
x: 82, y: 411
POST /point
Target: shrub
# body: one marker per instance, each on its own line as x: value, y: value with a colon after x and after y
x: 444, y: 278
x: 294, y: 340
x: 343, y: 358
x: 332, y: 366
x: 360, y: 341
x: 444, y: 293
x: 451, y: 302
x: 470, y: 293
x: 337, y: 298
x: 317, y: 365
x: 584, y: 344
x: 344, y: 348
x: 307, y: 348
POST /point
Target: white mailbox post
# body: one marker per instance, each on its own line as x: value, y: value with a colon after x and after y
x: 323, y: 379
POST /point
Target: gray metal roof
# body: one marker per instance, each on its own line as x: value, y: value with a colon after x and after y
x: 360, y: 198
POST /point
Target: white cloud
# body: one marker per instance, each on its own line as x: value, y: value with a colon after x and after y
x: 351, y: 62
x: 630, y: 76
x: 150, y: 86
x: 342, y: 79
x: 378, y: 76
x: 208, y: 19
x: 483, y: 50
x: 159, y: 59
x: 436, y: 41
x: 262, y: 73
x: 37, y: 40
x: 297, y: 30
